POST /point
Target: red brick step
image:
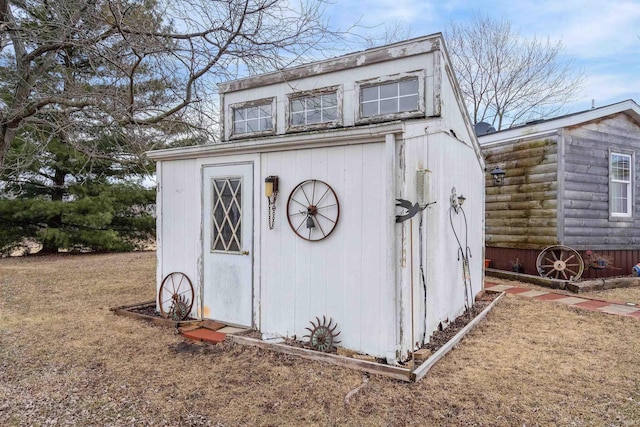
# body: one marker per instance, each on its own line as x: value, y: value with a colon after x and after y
x: 206, y: 335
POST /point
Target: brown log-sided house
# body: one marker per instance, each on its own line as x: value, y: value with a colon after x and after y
x: 570, y: 180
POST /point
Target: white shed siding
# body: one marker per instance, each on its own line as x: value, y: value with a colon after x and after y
x: 442, y: 155
x: 179, y: 222
x: 343, y: 276
x: 445, y: 270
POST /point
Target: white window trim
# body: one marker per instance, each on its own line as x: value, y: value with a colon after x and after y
x: 254, y: 103
x: 420, y: 74
x: 316, y: 92
x: 631, y: 199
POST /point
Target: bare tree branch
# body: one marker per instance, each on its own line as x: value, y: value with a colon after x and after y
x: 508, y: 79
x: 141, y: 68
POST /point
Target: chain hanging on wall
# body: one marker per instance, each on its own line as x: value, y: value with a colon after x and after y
x: 272, y: 213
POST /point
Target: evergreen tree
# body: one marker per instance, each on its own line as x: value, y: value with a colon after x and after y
x: 65, y: 199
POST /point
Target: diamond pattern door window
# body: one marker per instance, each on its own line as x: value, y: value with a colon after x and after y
x: 227, y: 215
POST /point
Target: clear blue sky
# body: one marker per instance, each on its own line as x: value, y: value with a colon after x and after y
x: 603, y: 37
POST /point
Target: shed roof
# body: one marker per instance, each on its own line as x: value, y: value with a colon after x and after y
x: 407, y: 48
x: 537, y: 127
x: 415, y: 46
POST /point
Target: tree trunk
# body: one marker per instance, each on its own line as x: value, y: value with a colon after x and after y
x: 57, y: 194
x: 7, y: 138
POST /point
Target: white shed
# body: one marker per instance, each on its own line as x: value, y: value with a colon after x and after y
x: 344, y: 138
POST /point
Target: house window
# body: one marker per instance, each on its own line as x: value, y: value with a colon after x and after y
x: 253, y: 118
x: 314, y: 109
x: 390, y: 98
x: 620, y: 184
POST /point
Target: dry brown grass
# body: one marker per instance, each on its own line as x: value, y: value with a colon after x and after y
x: 66, y: 360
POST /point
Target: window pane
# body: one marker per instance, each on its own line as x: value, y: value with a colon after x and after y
x: 388, y: 106
x: 239, y: 127
x: 266, y: 124
x: 265, y: 110
x: 369, y: 109
x: 615, y: 190
x: 369, y: 93
x: 252, y: 119
x: 330, y: 114
x: 329, y: 100
x: 313, y: 103
x: 313, y: 116
x: 620, y: 185
x: 409, y: 87
x: 393, y: 97
x: 620, y: 167
x: 227, y: 215
x: 297, y: 119
x: 389, y: 90
x: 297, y: 105
x: 253, y: 125
x: 252, y: 113
x: 620, y: 197
x: 314, y: 109
x: 409, y: 103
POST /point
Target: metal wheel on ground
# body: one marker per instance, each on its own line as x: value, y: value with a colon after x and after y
x: 560, y: 262
x: 175, y: 298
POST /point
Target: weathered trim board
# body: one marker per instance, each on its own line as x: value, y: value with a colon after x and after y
x: 402, y: 374
x: 126, y: 311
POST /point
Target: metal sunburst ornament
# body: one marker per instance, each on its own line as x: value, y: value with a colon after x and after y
x: 179, y: 308
x: 322, y: 336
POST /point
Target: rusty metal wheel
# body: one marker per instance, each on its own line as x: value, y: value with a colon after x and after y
x: 322, y: 336
x: 560, y: 262
x: 313, y: 210
x: 175, y: 298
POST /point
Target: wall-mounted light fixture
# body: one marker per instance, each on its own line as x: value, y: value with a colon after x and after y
x: 271, y: 191
x: 498, y: 175
x: 456, y: 201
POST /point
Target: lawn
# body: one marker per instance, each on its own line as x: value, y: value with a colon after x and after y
x: 65, y: 359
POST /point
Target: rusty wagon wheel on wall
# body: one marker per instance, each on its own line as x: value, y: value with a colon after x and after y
x: 313, y: 210
x: 175, y: 297
x: 560, y: 262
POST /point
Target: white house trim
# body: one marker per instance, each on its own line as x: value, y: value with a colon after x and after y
x: 330, y: 137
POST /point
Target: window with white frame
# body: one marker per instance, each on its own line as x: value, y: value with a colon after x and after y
x: 390, y: 98
x: 252, y: 118
x: 313, y: 109
x: 620, y: 174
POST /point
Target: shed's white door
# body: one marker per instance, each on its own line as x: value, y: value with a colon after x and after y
x: 228, y: 243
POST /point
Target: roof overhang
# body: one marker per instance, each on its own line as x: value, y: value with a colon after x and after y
x: 295, y: 141
x: 551, y: 126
